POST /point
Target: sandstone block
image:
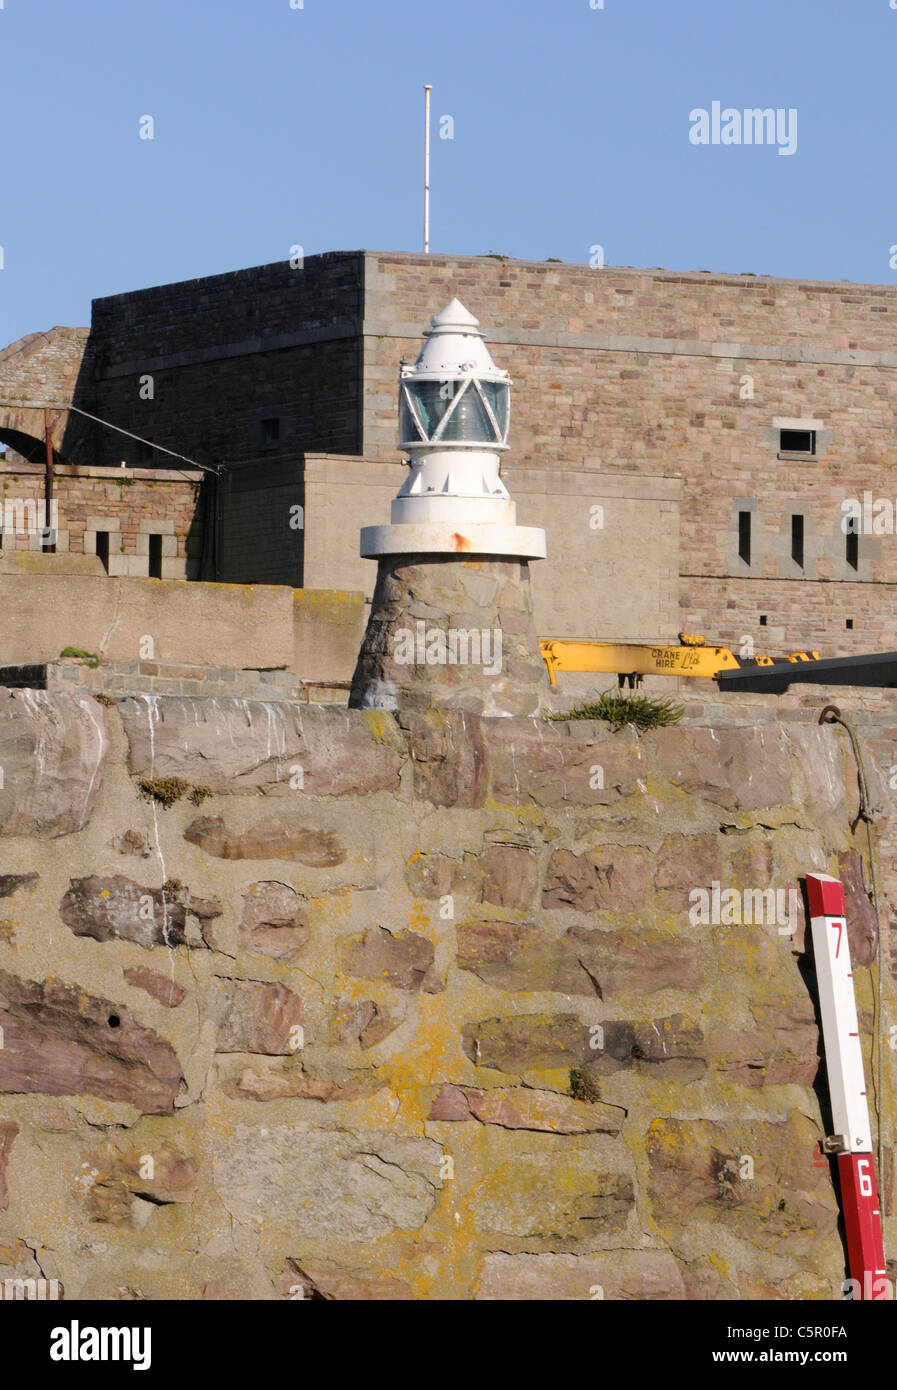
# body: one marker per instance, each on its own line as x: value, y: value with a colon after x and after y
x: 53, y: 750
x: 60, y: 1041
x: 521, y: 1107
x: 271, y: 839
x: 328, y: 1184
x: 402, y: 959
x: 260, y: 1017
x: 117, y: 909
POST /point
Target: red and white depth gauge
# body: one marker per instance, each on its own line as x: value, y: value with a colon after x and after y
x: 852, y: 1139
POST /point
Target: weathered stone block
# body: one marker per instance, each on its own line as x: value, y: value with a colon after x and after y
x: 521, y: 1107
x: 527, y: 1042
x: 402, y: 959
x: 333, y: 1184
x: 686, y: 862
x: 516, y: 957
x: 616, y: 879
x: 116, y: 909
x: 8, y: 1131
x: 448, y: 756
x: 618, y: 1274
x: 275, y: 920
x: 271, y: 839
x: 53, y: 751
x: 756, y: 1178
x: 636, y: 963
x: 260, y: 1017
x: 577, y: 762
x: 233, y: 745
x: 162, y: 988
x: 321, y: 1280
x: 737, y: 769
x: 59, y: 1041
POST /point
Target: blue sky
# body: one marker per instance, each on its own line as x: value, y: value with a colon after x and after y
x: 277, y: 126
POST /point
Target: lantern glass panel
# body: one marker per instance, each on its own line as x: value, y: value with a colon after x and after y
x: 498, y: 394
x: 468, y: 422
x: 408, y: 427
x: 431, y: 400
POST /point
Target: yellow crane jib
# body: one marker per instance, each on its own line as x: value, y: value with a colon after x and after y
x: 691, y: 657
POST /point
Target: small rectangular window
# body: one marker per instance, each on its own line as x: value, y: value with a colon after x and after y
x: 103, y: 549
x: 744, y: 537
x: 155, y: 557
x: 852, y: 549
x: 797, y: 540
x: 797, y: 441
x: 271, y: 430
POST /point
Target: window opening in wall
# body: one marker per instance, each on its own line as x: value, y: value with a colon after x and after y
x: 744, y: 537
x: 155, y: 557
x: 271, y: 430
x: 103, y: 549
x: 852, y: 549
x: 797, y: 540
x: 762, y: 619
x: 797, y: 442
x: 849, y: 623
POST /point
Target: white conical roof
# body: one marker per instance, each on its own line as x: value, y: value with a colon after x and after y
x: 455, y: 346
x: 454, y: 318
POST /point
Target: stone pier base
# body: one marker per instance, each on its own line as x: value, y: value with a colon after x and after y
x: 451, y: 633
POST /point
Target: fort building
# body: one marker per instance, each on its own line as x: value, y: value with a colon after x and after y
x: 690, y: 443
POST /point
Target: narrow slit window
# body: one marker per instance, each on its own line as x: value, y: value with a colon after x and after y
x: 852, y: 549
x: 103, y: 549
x: 155, y: 557
x: 797, y: 540
x: 744, y: 537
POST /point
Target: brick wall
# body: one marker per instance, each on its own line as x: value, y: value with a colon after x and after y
x: 129, y: 504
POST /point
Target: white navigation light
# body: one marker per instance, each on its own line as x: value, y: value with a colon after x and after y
x: 454, y: 419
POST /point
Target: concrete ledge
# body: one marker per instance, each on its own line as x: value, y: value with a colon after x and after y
x: 231, y: 625
x: 27, y: 562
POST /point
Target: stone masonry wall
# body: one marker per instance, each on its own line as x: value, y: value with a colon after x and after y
x: 305, y: 1002
x: 272, y: 343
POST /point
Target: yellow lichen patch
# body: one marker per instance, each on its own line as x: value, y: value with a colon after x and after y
x: 418, y: 915
x: 380, y: 723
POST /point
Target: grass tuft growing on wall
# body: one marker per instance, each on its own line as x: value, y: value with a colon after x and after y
x: 644, y: 711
